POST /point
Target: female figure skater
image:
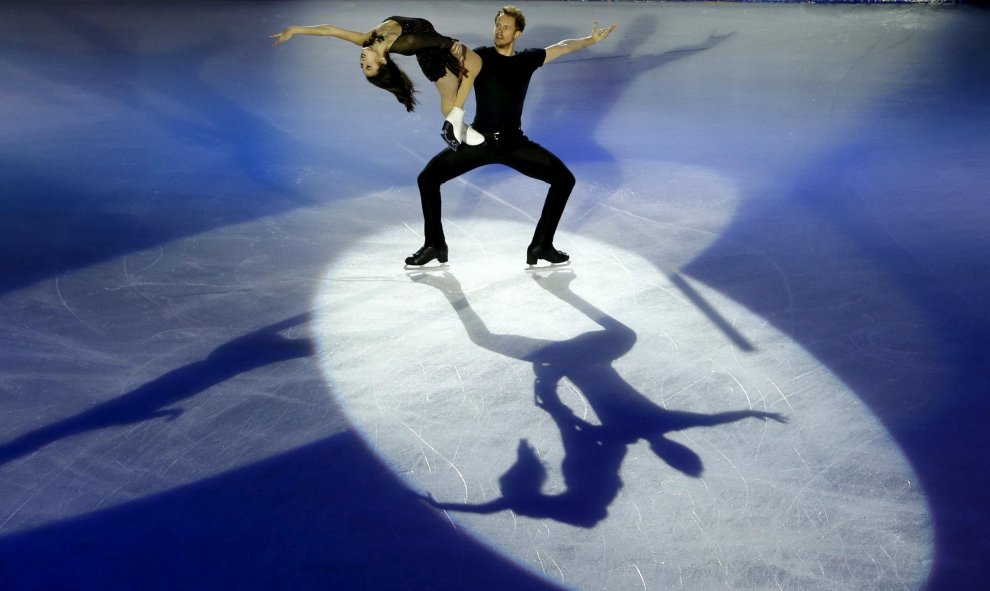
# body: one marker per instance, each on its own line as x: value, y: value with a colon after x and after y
x: 444, y: 61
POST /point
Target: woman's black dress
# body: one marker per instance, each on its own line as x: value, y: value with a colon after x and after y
x: 432, y: 50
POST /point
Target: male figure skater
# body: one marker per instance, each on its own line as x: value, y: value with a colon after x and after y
x: 500, y: 91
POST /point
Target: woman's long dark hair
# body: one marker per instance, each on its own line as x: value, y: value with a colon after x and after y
x: 394, y: 80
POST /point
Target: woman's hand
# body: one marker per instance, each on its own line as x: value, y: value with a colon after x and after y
x: 284, y: 36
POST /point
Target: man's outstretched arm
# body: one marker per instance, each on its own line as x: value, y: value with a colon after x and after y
x: 571, y: 45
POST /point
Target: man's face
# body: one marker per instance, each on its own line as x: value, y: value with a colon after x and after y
x: 505, y: 31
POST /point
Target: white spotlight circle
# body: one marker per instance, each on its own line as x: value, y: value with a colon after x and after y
x: 438, y: 371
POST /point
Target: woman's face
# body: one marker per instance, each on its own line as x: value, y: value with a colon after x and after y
x: 371, y: 59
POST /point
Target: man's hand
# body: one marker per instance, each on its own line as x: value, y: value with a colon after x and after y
x: 571, y: 45
x: 598, y: 33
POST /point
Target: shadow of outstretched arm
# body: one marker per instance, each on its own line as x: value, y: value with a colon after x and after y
x: 680, y: 420
x: 679, y: 456
x: 582, y: 506
x: 151, y: 401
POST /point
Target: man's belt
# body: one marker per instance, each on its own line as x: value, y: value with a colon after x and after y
x: 496, y: 137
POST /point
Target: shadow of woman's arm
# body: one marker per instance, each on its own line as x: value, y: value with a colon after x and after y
x: 153, y: 400
x: 678, y: 420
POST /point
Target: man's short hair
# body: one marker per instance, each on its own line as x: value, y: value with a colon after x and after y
x: 515, y: 13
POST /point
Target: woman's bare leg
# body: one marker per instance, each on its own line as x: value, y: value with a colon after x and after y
x: 472, y: 65
x: 447, y: 86
x: 454, y: 91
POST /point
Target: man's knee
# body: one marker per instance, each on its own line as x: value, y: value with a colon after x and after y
x: 559, y: 175
x: 563, y: 180
x: 437, y: 171
x: 567, y: 179
x: 428, y: 179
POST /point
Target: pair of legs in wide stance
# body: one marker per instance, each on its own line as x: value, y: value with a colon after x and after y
x: 518, y: 153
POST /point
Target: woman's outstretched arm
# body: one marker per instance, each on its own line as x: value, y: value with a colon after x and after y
x: 322, y: 30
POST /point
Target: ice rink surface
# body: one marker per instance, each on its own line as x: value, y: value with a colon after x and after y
x: 766, y: 366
